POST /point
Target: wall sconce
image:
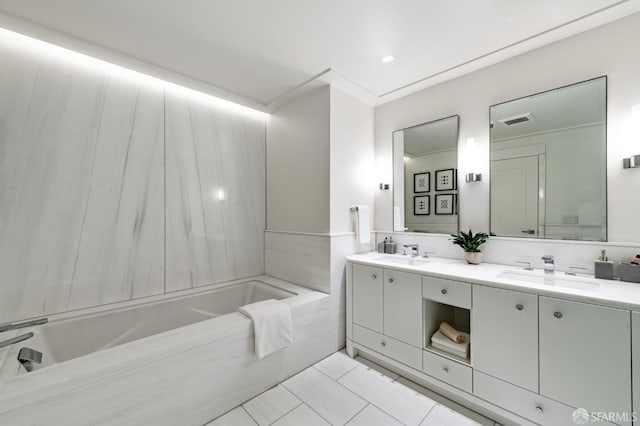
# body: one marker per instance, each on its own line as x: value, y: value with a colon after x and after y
x: 631, y: 162
x: 384, y: 186
x: 473, y: 177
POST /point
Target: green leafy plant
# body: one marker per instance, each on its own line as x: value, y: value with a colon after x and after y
x: 469, y: 241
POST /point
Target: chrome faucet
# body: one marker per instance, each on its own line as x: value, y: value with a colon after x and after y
x: 23, y: 324
x: 548, y: 263
x: 414, y: 249
x: 29, y: 357
x: 16, y: 339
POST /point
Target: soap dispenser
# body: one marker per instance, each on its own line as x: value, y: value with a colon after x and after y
x: 390, y: 247
x: 604, y: 267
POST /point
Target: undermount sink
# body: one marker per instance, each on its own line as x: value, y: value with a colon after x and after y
x: 411, y: 261
x: 557, y: 280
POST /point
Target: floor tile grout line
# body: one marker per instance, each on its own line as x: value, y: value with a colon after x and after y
x: 308, y: 406
x: 297, y: 405
x: 345, y: 373
x: 371, y: 403
x: 430, y: 411
x: 449, y: 403
x: 356, y: 414
x: 343, y: 386
x: 249, y: 414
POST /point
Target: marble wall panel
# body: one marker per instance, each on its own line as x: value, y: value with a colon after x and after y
x: 81, y: 186
x: 215, y: 189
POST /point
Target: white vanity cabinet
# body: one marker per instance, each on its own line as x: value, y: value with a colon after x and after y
x: 585, y: 355
x: 505, y: 335
x: 537, y: 354
x: 387, y: 312
x: 367, y: 297
x: 403, y: 307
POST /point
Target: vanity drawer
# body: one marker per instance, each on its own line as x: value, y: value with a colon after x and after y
x: 527, y: 404
x: 454, y: 293
x: 447, y: 370
x: 387, y: 346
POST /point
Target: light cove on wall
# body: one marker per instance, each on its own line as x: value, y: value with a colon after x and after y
x: 82, y: 183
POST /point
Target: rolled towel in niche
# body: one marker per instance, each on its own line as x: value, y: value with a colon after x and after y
x: 452, y: 333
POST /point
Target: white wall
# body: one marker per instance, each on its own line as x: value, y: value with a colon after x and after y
x: 321, y: 140
x: 298, y: 165
x: 351, y: 159
x: 608, y: 50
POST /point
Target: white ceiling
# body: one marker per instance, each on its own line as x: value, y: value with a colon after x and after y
x: 263, y: 49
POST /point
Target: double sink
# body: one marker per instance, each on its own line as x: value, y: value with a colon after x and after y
x: 538, y: 277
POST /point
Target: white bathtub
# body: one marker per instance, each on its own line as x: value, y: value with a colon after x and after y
x: 178, y: 359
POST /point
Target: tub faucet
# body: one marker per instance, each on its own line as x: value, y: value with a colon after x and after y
x: 23, y: 324
x: 414, y: 249
x: 16, y: 339
x: 548, y: 263
x: 28, y: 357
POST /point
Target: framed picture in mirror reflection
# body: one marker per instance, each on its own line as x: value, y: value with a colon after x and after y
x: 422, y: 182
x: 444, y: 204
x: 446, y: 180
x: 421, y: 205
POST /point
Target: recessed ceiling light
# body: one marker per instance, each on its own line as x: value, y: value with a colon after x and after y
x: 388, y: 59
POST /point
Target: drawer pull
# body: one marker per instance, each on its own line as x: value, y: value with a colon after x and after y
x: 383, y: 343
x: 374, y: 276
x: 519, y: 307
x: 443, y: 291
x: 390, y: 280
x: 539, y: 410
x: 446, y: 370
x: 557, y: 314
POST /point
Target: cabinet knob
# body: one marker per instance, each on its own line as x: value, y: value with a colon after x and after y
x: 374, y: 276
x: 391, y: 280
x: 519, y: 307
x: 443, y: 291
x: 557, y: 314
x: 539, y: 410
x: 446, y: 370
x: 383, y: 343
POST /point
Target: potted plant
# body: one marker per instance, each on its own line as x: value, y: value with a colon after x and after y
x: 470, y: 243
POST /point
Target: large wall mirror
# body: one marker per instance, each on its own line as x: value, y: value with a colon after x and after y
x: 425, y: 187
x: 548, y: 164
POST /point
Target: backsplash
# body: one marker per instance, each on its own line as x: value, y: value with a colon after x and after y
x: 507, y: 251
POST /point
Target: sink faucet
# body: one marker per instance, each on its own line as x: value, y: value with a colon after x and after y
x: 548, y: 263
x: 414, y: 249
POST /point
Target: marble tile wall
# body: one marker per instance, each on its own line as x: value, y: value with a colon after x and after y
x: 215, y: 194
x: 82, y: 188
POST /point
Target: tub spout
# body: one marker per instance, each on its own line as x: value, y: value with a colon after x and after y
x: 28, y: 357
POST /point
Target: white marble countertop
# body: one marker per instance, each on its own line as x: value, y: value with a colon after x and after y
x: 582, y: 288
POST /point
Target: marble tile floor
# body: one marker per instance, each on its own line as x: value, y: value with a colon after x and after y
x: 342, y: 391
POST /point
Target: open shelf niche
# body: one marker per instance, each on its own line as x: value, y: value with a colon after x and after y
x: 434, y: 314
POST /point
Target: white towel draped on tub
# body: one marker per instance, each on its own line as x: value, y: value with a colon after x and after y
x: 271, y: 325
x: 363, y: 225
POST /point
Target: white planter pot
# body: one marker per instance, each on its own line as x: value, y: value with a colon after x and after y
x: 473, y: 257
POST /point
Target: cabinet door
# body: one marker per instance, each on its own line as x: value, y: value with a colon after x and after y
x: 367, y: 297
x: 504, y: 335
x: 585, y: 355
x: 403, y: 307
